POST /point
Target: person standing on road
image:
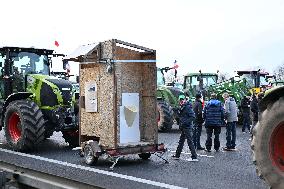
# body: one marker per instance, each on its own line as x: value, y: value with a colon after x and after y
x: 214, y: 120
x: 245, y: 105
x: 186, y: 116
x: 231, y: 115
x: 197, y: 128
x: 254, y: 111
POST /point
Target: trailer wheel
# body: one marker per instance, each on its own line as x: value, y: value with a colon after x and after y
x: 71, y: 137
x: 24, y: 125
x: 89, y: 155
x: 144, y: 156
x: 268, y: 145
x: 165, y: 116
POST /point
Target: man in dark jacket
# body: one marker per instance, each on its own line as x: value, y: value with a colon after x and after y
x: 245, y: 106
x: 197, y: 128
x: 186, y: 116
x: 254, y: 110
x: 214, y: 120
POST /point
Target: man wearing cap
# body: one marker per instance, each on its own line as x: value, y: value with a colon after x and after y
x: 186, y: 116
x: 214, y: 120
x: 197, y: 128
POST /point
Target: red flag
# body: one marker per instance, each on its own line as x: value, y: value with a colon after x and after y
x: 56, y: 43
x: 175, y: 65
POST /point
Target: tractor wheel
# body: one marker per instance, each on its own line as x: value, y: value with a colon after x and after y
x: 144, y: 156
x: 24, y: 125
x: 268, y: 145
x: 71, y: 137
x: 165, y: 116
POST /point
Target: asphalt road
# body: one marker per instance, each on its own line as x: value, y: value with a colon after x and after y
x: 215, y: 170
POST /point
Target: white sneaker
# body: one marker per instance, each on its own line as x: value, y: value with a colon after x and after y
x: 191, y: 159
x: 175, y: 158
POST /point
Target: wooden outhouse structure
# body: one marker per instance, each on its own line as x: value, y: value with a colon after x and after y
x: 118, y: 97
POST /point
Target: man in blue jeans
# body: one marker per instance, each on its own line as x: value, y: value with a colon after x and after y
x: 231, y: 115
x: 214, y: 120
x: 186, y: 116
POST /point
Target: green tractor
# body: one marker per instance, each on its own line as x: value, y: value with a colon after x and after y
x: 245, y: 84
x: 277, y: 83
x: 199, y: 83
x: 34, y: 104
x: 268, y: 138
x: 167, y: 101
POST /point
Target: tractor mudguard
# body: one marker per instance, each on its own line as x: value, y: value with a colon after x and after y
x: 11, y: 98
x: 271, y: 96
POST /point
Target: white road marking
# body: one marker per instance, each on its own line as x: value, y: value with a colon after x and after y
x: 132, y: 178
x: 187, y: 153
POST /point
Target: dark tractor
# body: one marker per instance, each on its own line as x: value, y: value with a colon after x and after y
x: 268, y: 138
x: 256, y: 80
x: 34, y: 104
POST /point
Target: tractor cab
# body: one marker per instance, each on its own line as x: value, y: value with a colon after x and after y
x: 256, y: 80
x: 17, y: 63
x: 199, y: 82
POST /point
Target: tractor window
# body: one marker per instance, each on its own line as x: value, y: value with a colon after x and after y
x: 194, y: 81
x: 249, y: 78
x: 30, y: 63
x: 160, y: 78
x: 191, y: 81
x: 2, y: 61
x: 263, y: 81
x: 209, y: 80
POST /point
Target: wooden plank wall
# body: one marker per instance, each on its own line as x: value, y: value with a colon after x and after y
x: 139, y: 78
x: 102, y: 123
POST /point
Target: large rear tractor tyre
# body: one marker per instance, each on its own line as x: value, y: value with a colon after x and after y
x: 268, y: 145
x: 71, y: 137
x: 165, y: 116
x: 24, y: 125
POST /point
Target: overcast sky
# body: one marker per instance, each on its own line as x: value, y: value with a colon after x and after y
x: 210, y: 35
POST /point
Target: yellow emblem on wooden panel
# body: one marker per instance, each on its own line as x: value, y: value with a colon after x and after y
x: 130, y: 113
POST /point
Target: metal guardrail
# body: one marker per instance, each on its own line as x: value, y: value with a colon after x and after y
x: 37, y: 179
x: 41, y: 172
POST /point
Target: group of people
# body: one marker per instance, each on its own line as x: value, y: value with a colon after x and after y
x: 214, y: 115
x: 250, y: 111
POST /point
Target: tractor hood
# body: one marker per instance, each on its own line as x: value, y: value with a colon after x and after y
x: 271, y: 96
x: 50, y: 91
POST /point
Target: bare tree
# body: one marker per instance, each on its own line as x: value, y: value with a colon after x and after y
x: 223, y: 76
x: 279, y: 72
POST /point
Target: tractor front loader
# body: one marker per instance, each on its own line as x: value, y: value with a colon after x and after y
x: 33, y: 104
x: 167, y: 101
